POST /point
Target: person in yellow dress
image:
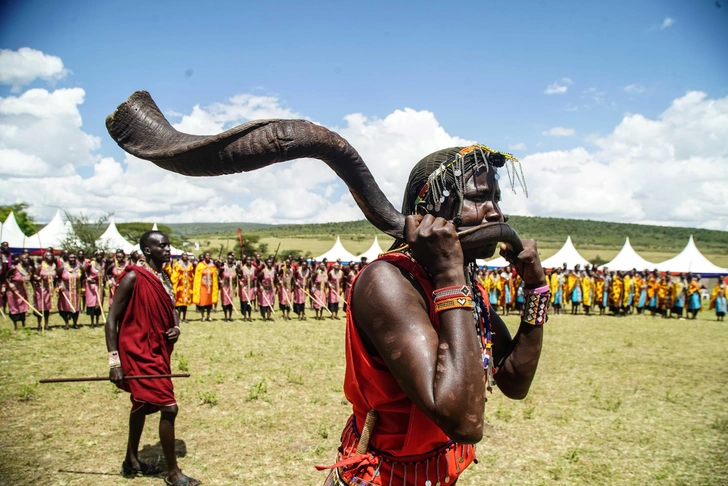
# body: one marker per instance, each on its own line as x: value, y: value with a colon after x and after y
x: 573, y: 289
x: 663, y: 294
x: 599, y: 292
x: 182, y: 275
x: 627, y: 293
x: 205, y: 287
x: 587, y: 287
x: 616, y: 291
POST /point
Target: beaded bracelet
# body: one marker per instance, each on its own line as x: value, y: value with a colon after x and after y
x: 455, y: 303
x: 114, y: 360
x: 534, y: 309
x: 458, y: 295
x: 453, y: 291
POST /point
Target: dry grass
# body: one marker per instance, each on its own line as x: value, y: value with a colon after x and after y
x: 616, y: 401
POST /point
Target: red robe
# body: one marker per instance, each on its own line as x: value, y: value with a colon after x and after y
x: 403, y: 433
x: 143, y: 346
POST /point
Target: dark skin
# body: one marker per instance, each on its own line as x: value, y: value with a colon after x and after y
x: 229, y: 313
x: 246, y: 281
x: 24, y: 262
x: 67, y: 294
x: 268, y: 264
x: 49, y: 260
x: 183, y: 311
x: 99, y: 260
x: 156, y: 253
x: 303, y: 269
x: 443, y: 373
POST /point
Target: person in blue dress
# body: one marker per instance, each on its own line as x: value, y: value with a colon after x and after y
x: 720, y: 304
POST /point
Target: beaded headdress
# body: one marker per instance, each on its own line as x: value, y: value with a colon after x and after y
x: 449, y: 176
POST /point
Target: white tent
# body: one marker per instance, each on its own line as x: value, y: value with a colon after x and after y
x: 628, y: 259
x: 52, y: 234
x: 337, y: 252
x: 567, y: 254
x: 12, y: 233
x: 112, y: 240
x: 372, y: 253
x: 690, y: 260
x: 499, y: 262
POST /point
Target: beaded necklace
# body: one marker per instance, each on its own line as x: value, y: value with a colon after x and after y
x: 163, y: 278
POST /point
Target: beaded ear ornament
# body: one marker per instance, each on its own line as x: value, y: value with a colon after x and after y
x: 450, y: 176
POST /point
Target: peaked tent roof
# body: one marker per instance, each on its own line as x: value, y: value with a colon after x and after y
x: 337, y: 252
x: 692, y: 261
x: 112, y: 240
x: 12, y: 233
x: 52, y: 234
x: 172, y: 250
x: 567, y: 254
x: 373, y: 252
x: 628, y: 259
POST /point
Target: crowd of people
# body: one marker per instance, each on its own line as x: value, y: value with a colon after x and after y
x: 620, y: 293
x: 69, y: 283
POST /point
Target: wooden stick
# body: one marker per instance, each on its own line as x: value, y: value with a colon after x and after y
x: 2, y: 313
x: 106, y: 378
x: 266, y: 301
x: 231, y: 300
x: 68, y: 301
x: 28, y: 303
x: 318, y: 302
x: 101, y: 304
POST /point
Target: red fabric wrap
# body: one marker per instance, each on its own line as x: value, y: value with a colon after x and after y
x: 143, y: 346
x: 402, y: 431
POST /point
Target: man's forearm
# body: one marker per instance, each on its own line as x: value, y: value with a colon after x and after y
x: 518, y: 367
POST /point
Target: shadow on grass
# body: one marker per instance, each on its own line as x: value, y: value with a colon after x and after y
x: 151, y: 454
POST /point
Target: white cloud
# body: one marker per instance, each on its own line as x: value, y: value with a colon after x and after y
x: 670, y: 171
x: 559, y: 132
x: 22, y: 67
x: 45, y: 127
x: 559, y: 87
x: 297, y: 191
x: 668, y: 22
x: 634, y: 89
x: 517, y: 146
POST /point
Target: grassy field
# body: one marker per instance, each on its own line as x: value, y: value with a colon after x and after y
x: 623, y: 401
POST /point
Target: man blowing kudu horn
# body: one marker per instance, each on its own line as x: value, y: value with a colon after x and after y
x: 422, y: 342
x: 141, y: 330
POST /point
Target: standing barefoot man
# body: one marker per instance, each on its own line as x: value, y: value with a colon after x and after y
x: 141, y: 330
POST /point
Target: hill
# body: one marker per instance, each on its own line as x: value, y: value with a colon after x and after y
x: 184, y: 230
x: 549, y: 232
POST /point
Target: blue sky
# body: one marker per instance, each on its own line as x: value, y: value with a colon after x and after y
x: 482, y: 69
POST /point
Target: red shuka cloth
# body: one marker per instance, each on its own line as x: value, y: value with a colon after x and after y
x: 143, y: 346
x: 402, y: 429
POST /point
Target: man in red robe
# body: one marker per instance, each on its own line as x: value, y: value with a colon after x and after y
x: 141, y: 330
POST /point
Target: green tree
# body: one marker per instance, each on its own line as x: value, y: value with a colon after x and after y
x: 85, y: 233
x: 25, y: 220
x: 251, y: 246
